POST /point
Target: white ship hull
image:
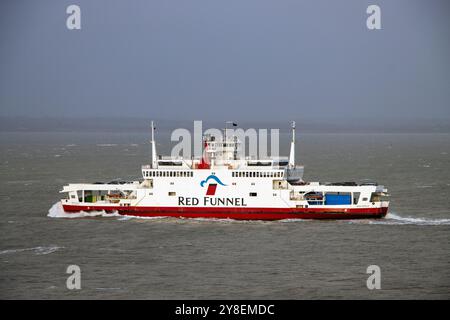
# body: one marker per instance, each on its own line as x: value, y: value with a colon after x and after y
x: 262, y: 198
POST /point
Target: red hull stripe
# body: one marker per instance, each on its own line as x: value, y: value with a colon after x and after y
x: 239, y: 213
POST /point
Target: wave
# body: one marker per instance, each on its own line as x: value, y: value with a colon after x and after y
x: 395, y: 219
x: 57, y: 211
x: 297, y: 220
x: 37, y: 250
x: 189, y: 220
x: 124, y: 217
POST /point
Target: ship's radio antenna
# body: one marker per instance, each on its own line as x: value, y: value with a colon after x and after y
x: 154, y: 161
x: 226, y: 127
x: 292, y: 153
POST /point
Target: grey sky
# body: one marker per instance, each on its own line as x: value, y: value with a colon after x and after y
x: 233, y: 59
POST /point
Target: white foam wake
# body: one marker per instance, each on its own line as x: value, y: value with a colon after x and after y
x: 125, y: 217
x: 57, y: 211
x: 392, y: 218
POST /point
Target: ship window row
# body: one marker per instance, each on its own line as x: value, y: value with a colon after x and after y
x: 253, y: 174
x: 168, y: 173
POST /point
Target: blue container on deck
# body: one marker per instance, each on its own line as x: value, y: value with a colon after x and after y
x: 338, y: 199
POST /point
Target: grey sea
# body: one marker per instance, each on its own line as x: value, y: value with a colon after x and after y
x: 166, y: 258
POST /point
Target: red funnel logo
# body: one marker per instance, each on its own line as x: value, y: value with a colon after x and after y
x: 211, y: 189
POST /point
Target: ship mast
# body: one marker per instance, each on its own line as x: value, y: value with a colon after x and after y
x: 292, y: 153
x: 154, y: 161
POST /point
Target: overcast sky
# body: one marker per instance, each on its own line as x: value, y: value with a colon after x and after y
x: 225, y: 59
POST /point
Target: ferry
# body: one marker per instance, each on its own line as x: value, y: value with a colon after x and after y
x: 220, y: 184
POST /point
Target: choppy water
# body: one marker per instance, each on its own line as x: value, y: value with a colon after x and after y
x: 164, y: 258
